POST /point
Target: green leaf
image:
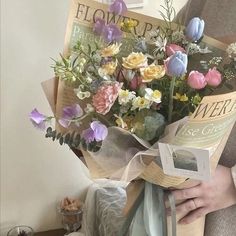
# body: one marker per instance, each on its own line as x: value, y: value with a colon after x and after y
x: 59, y: 135
x: 67, y: 138
x: 61, y: 140
x: 49, y: 130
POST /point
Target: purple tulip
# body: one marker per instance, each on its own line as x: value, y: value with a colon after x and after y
x: 97, y: 131
x: 99, y: 26
x: 194, y: 29
x: 176, y: 65
x: 70, y: 113
x: 38, y: 120
x: 118, y: 7
x: 112, y: 33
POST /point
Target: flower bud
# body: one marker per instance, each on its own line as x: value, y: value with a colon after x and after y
x: 172, y: 49
x: 194, y: 29
x: 118, y: 7
x: 176, y: 65
x: 213, y: 77
x: 196, y: 80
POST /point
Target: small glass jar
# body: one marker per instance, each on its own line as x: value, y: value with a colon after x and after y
x: 21, y: 230
x: 71, y: 220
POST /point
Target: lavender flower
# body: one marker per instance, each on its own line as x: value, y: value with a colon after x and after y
x: 118, y: 7
x: 70, y: 113
x: 38, y: 120
x: 97, y: 131
x: 99, y: 26
x: 112, y: 33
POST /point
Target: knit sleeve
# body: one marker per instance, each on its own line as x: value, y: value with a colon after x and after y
x: 233, y: 171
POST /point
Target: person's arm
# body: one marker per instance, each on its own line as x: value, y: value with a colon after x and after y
x: 208, y: 196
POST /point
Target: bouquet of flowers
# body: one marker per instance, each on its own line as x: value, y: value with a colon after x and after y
x: 134, y: 84
x: 141, y: 92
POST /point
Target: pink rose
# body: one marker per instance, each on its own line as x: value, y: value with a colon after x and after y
x: 213, y: 77
x: 196, y: 80
x: 105, y: 97
x: 172, y: 48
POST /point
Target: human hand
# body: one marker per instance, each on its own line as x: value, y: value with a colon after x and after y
x: 217, y: 193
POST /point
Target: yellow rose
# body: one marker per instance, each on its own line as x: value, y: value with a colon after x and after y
x: 152, y: 72
x: 134, y: 61
x: 111, y: 50
x: 108, y: 68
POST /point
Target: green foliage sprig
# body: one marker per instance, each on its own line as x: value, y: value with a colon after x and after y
x: 72, y: 139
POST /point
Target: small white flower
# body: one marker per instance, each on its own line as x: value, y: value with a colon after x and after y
x: 178, y: 36
x: 231, y: 50
x: 140, y: 103
x: 160, y: 43
x: 88, y: 79
x: 153, y: 96
x: 82, y: 94
x: 125, y: 96
x: 89, y: 108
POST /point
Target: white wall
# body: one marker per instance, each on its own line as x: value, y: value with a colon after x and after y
x: 35, y: 173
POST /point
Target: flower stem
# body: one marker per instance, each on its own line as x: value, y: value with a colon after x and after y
x: 171, y: 99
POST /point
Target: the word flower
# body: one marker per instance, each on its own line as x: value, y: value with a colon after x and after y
x: 135, y: 61
x: 105, y: 97
x: 152, y: 72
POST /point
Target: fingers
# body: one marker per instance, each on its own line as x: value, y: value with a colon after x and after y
x: 194, y: 215
x: 190, y: 205
x: 187, y: 193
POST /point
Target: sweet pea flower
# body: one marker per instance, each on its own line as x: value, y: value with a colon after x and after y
x: 38, y: 119
x: 111, y: 33
x: 69, y: 114
x: 176, y: 65
x: 172, y: 49
x: 97, y: 131
x: 99, y: 26
x: 213, y: 77
x: 118, y: 7
x: 196, y: 80
x: 194, y: 29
